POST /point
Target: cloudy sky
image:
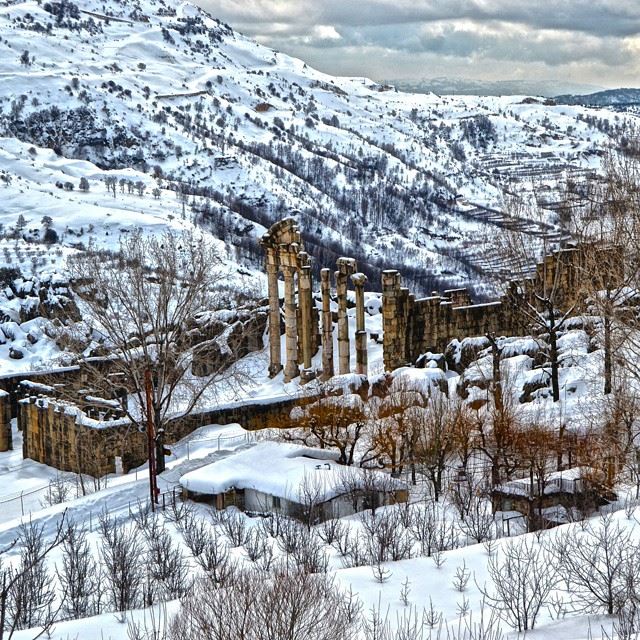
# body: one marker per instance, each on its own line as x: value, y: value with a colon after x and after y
x: 587, y: 41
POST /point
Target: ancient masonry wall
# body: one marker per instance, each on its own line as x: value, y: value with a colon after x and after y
x: 58, y: 434
x: 415, y: 326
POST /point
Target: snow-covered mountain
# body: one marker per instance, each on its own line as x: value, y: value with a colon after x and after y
x: 474, y: 86
x: 199, y: 124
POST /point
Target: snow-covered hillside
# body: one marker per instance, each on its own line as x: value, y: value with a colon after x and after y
x: 168, y: 97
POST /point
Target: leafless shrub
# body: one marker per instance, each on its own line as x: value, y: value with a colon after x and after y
x: 356, y: 553
x: 310, y: 555
x: 121, y: 554
x: 387, y: 539
x: 405, y: 591
x: 522, y: 580
x: 167, y: 566
x: 271, y: 524
x: 471, y: 500
x: 214, y: 559
x: 290, y: 605
x: 153, y: 626
x: 30, y: 598
x: 431, y: 531
x: 256, y: 544
x: 597, y: 564
x: 142, y: 514
x: 79, y: 575
x: 461, y: 577
x: 234, y: 525
x: 380, y: 572
x: 195, y: 533
x: 407, y: 513
x: 330, y: 530
x: 291, y: 535
x: 438, y: 558
x: 178, y: 510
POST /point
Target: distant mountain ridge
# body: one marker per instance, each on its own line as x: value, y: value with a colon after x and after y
x: 232, y: 136
x: 607, y: 98
x: 469, y: 86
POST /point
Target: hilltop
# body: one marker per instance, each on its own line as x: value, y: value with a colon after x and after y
x: 229, y: 135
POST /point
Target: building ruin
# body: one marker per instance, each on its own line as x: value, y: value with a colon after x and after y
x: 75, y: 437
x: 411, y: 326
x: 285, y: 254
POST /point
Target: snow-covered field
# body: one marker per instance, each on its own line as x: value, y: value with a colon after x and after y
x: 117, y: 116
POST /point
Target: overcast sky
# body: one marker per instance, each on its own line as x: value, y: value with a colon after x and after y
x: 588, y: 41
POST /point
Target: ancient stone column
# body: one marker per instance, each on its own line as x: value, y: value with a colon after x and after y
x: 305, y: 299
x: 290, y: 323
x: 392, y: 326
x: 275, y: 359
x: 346, y: 266
x: 359, y: 280
x: 327, y: 325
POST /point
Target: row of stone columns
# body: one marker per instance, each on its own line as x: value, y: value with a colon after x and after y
x: 284, y: 253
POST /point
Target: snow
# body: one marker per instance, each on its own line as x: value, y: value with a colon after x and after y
x: 277, y: 469
x: 536, y: 149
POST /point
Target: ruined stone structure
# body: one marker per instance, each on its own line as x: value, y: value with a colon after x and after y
x: 61, y: 435
x: 6, y: 442
x: 285, y: 255
x: 88, y: 438
x: 413, y: 326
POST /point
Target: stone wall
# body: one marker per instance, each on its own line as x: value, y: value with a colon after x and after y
x: 414, y: 326
x: 5, y: 422
x: 58, y: 434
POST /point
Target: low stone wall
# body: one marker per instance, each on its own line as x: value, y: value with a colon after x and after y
x: 58, y: 434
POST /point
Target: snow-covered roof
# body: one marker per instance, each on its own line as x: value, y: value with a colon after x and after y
x: 567, y: 481
x: 282, y: 470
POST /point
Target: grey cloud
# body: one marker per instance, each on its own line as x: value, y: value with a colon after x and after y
x: 505, y: 36
x: 600, y: 17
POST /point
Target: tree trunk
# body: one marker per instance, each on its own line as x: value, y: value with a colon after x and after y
x: 553, y: 356
x: 608, y: 365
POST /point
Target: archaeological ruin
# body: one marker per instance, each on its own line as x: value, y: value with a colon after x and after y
x: 88, y: 436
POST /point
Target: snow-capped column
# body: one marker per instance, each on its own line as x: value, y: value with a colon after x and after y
x: 305, y: 300
x: 346, y: 266
x: 275, y: 364
x: 327, y: 325
x: 291, y: 370
x: 359, y: 280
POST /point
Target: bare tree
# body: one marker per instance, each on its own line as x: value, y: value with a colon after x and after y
x: 522, y: 582
x: 141, y: 304
x: 542, y: 297
x: 28, y: 595
x: 122, y: 556
x: 605, y: 214
x: 289, y: 605
x: 330, y: 422
x: 596, y: 564
x: 78, y: 575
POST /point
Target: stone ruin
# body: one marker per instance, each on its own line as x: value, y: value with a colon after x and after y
x: 285, y: 254
x: 412, y: 326
x: 87, y: 437
x: 415, y: 326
